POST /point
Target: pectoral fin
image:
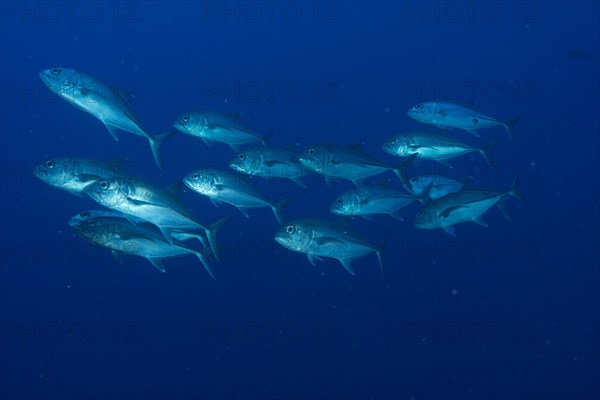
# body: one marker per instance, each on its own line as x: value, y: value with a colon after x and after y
x: 157, y: 264
x: 113, y: 131
x: 347, y: 263
x: 446, y: 212
x: 449, y: 229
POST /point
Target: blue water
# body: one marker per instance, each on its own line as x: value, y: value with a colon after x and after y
x: 510, y: 311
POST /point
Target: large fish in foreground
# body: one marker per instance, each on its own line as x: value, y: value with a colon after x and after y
x: 103, y: 102
x: 270, y: 162
x: 123, y: 237
x: 318, y: 239
x: 212, y: 126
x: 221, y: 186
x: 448, y: 115
x: 151, y: 204
x: 370, y: 201
x: 334, y: 161
x: 75, y: 174
x: 464, y: 206
x: 433, y: 146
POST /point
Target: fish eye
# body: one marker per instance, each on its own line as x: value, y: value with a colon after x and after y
x: 84, y: 214
x: 49, y: 164
x: 419, y: 215
x: 339, y: 200
x: 311, y: 151
x: 241, y: 156
x: 186, y: 118
x: 104, y: 185
x: 392, y: 141
x: 290, y: 229
x: 92, y: 222
x: 55, y: 70
x: 196, y: 176
x: 419, y: 106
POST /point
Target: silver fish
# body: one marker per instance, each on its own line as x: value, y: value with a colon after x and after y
x: 433, y: 146
x: 221, y: 186
x: 124, y: 237
x: 448, y: 115
x: 75, y: 174
x: 212, y: 126
x: 463, y: 206
x: 435, y: 186
x: 350, y: 163
x: 372, y: 200
x: 317, y: 239
x: 96, y: 98
x: 270, y: 162
x: 151, y: 204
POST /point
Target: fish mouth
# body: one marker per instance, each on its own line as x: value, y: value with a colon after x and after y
x: 282, y: 240
x: 40, y: 173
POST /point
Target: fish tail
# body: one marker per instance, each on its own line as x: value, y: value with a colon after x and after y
x: 156, y: 142
x: 202, y: 257
x: 514, y: 190
x: 211, y: 235
x: 265, y: 139
x: 487, y: 150
x: 277, y: 209
x: 509, y: 125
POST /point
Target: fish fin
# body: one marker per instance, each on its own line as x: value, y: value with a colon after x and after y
x: 313, y: 259
x: 486, y: 151
x: 479, y: 221
x: 211, y: 234
x: 504, y: 210
x: 365, y: 216
x: 156, y: 142
x: 265, y: 139
x: 157, y: 264
x: 359, y: 183
x: 329, y: 181
x: 444, y: 163
x: 396, y: 215
x: 378, y: 251
x: 403, y: 169
x: 215, y: 202
x: 509, y: 125
x: 347, y: 263
x: 167, y: 234
x: 234, y: 147
x: 277, y: 209
x: 473, y: 132
x: 514, y: 189
x: 207, y: 142
x: 298, y: 181
x: 118, y: 255
x: 449, y: 229
x: 202, y: 257
x: 446, y: 212
x: 113, y: 131
x: 425, y: 195
x: 244, y: 212
x: 183, y: 236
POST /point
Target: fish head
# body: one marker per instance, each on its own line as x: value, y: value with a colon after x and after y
x: 247, y: 162
x: 423, y: 112
x: 397, y: 146
x: 201, y: 181
x: 190, y: 123
x: 55, y: 172
x: 314, y: 158
x: 346, y: 204
x: 107, y: 192
x: 91, y: 229
x: 65, y: 82
x: 295, y: 236
x: 425, y: 219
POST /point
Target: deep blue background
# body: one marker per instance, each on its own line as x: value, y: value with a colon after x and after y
x: 140, y: 334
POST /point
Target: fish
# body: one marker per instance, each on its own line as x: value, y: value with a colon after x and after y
x: 124, y: 237
x: 464, y: 206
x: 212, y: 126
x: 433, y: 186
x: 433, y: 146
x: 226, y: 187
x: 335, y: 161
x: 106, y: 104
x: 448, y: 115
x: 270, y: 162
x: 145, y: 202
x: 318, y: 238
x: 370, y: 201
x: 74, y: 175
